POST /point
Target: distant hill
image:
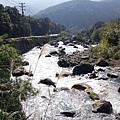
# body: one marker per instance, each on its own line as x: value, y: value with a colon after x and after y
x: 82, y: 13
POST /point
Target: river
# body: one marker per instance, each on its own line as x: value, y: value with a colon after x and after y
x: 47, y: 104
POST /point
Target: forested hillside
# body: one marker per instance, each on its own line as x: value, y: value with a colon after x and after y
x: 16, y: 25
x: 82, y: 13
x: 108, y: 37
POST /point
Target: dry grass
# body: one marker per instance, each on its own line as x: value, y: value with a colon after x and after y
x: 11, y: 67
x: 21, y: 89
x: 62, y: 73
x: 41, y: 52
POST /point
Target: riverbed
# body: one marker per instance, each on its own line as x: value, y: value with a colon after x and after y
x: 48, y: 104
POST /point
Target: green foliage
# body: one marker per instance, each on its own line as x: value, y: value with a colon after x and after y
x: 7, y: 55
x: 16, y: 25
x: 91, y: 33
x: 111, y: 32
x: 78, y: 36
x: 64, y: 34
x: 103, y: 44
x: 12, y: 91
x: 10, y: 99
x: 110, y: 41
x: 101, y: 51
x: 117, y: 55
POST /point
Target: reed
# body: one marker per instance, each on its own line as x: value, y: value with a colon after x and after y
x: 21, y: 89
x: 47, y: 105
x: 11, y: 67
x: 61, y: 74
x: 41, y: 52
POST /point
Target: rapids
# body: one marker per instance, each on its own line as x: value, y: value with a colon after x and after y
x: 47, y: 105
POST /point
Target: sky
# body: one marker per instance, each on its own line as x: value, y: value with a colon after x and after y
x: 34, y: 6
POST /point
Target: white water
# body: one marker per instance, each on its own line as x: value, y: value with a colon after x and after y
x: 47, y: 68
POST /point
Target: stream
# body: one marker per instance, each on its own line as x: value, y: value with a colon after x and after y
x: 49, y: 104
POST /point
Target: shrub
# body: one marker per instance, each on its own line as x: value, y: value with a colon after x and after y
x: 117, y: 55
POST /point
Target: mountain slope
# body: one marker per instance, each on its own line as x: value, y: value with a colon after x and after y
x: 82, y: 13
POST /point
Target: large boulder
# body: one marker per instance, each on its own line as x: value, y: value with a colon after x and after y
x: 83, y: 69
x: 102, y: 106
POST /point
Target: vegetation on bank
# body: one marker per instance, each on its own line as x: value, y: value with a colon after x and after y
x: 16, y: 25
x: 12, y: 91
x: 109, y: 46
x: 108, y: 37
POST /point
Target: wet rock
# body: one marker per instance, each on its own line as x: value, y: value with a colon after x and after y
x: 112, y: 75
x: 65, y: 74
x: 70, y: 44
x: 93, y: 75
x: 68, y: 113
x: 102, y: 106
x: 53, y: 53
x: 56, y: 45
x: 61, y: 89
x: 29, y: 73
x: 92, y: 95
x: 100, y: 69
x: 81, y: 86
x: 117, y: 116
x: 83, y: 69
x: 57, y: 74
x: 103, y: 78
x: 61, y: 48
x: 72, y: 59
x: 62, y: 52
x: 75, y: 46
x: 25, y: 63
x: 67, y: 41
x: 48, y: 55
x: 47, y: 81
x: 85, y: 57
x: 63, y: 63
x: 102, y: 63
x: 64, y: 88
x: 119, y: 89
x: 18, y: 72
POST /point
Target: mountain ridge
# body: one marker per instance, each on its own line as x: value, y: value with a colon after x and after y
x: 82, y: 13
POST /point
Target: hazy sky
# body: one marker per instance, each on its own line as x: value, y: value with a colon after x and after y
x: 34, y: 5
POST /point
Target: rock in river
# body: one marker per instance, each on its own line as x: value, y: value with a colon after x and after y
x: 102, y: 63
x: 47, y: 81
x: 81, y: 86
x: 68, y: 113
x: 18, y: 72
x: 102, y: 106
x: 83, y: 69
